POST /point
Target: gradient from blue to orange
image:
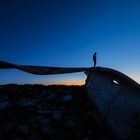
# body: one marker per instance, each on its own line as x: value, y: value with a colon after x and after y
x: 66, y: 33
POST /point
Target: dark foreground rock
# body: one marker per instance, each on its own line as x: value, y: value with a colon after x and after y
x: 37, y: 112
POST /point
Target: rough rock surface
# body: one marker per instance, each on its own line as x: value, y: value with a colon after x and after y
x: 37, y: 112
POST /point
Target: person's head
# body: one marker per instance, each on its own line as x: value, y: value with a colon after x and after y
x: 95, y: 53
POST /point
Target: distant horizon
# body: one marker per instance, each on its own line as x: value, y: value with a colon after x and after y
x: 66, y: 82
x: 50, y: 84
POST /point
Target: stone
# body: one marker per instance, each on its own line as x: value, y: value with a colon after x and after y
x: 67, y: 98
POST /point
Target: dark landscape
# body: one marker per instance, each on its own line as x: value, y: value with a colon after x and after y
x: 37, y: 112
x: 91, y: 42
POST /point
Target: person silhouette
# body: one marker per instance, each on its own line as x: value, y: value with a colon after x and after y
x: 94, y: 59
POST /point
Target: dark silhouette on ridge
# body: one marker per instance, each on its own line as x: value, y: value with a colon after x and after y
x: 94, y: 59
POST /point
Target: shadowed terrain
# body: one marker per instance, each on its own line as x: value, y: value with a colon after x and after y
x: 38, y: 112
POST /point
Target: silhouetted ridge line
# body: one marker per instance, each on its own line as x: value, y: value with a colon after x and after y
x: 118, y: 76
x: 6, y: 65
x: 42, y: 70
x: 45, y: 70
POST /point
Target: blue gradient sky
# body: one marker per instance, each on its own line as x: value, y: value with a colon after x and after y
x: 66, y: 33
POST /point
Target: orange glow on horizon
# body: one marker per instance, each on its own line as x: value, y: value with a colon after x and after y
x: 68, y: 83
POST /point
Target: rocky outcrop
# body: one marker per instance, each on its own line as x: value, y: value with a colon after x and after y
x: 36, y: 112
x: 117, y: 98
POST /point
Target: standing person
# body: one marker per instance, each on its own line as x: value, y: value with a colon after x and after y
x: 94, y: 59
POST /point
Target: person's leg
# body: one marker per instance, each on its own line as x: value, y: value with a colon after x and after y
x: 94, y: 63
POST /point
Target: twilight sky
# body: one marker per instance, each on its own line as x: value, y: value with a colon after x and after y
x: 66, y: 33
